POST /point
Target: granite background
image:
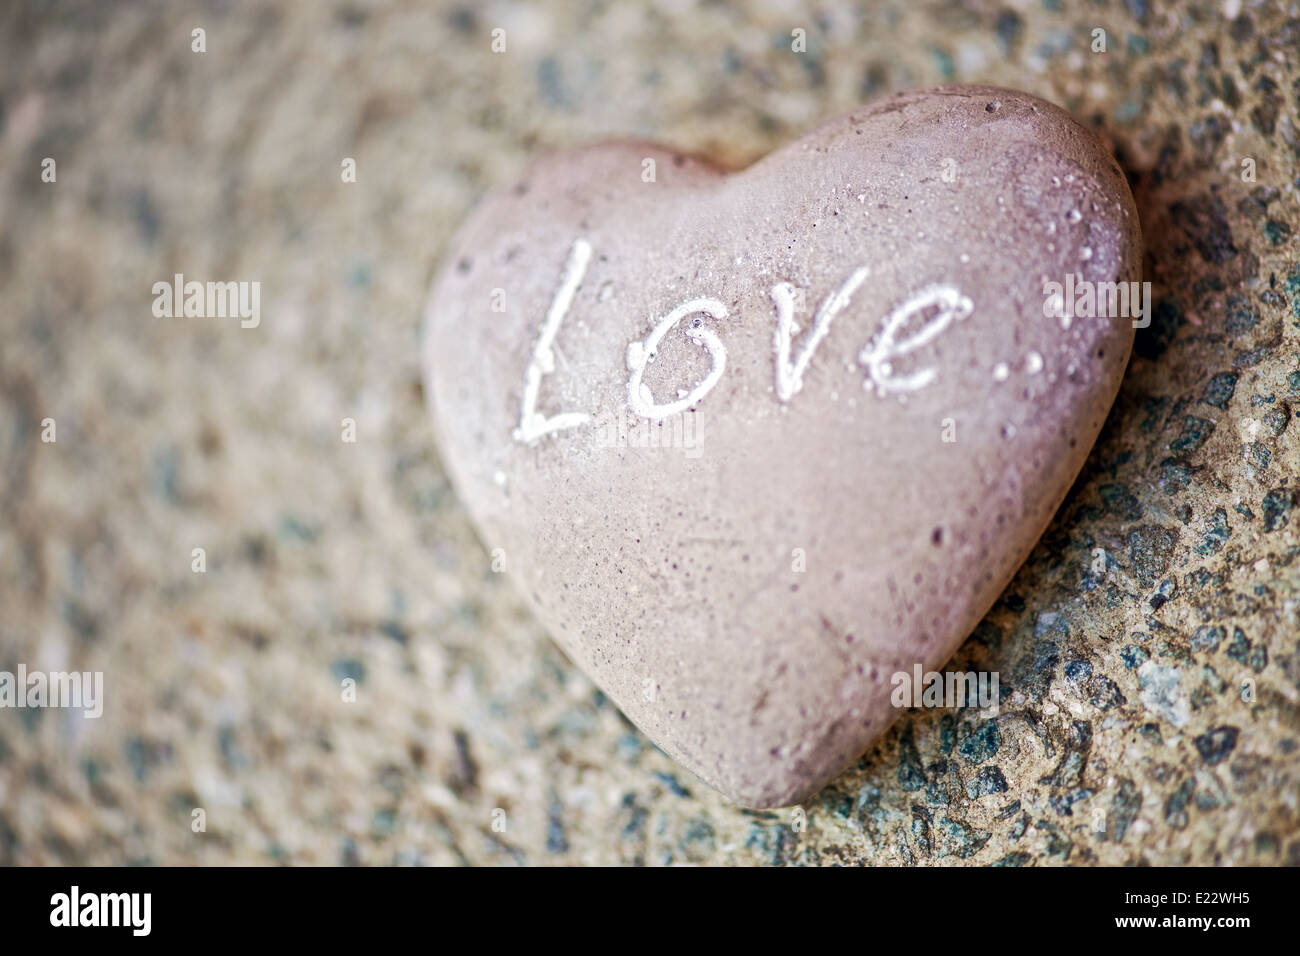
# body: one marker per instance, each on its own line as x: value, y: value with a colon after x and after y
x: 1125, y: 737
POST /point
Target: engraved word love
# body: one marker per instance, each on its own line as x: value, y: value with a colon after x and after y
x: 947, y: 303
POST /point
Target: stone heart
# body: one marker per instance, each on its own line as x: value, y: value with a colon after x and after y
x: 752, y: 443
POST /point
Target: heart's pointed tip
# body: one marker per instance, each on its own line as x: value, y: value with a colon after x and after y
x: 773, y: 773
x: 793, y: 797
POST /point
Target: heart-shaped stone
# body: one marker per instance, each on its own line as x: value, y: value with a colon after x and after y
x: 753, y: 443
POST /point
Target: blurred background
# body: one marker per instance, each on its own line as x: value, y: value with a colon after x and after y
x: 1154, y: 714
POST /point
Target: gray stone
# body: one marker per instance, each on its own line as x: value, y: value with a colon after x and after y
x: 752, y: 443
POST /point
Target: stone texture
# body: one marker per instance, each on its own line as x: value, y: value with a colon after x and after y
x: 330, y: 560
x: 739, y: 550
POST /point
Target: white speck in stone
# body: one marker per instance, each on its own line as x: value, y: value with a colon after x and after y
x: 1162, y: 692
x: 1085, y: 253
x: 1056, y: 303
x: 1074, y: 215
x: 1000, y: 372
x: 500, y: 478
x: 964, y: 257
x: 1033, y: 363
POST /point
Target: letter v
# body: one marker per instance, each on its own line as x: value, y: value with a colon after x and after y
x: 789, y: 376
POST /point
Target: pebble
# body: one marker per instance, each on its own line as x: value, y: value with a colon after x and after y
x: 735, y: 435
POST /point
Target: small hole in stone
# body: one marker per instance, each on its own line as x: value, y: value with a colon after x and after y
x: 993, y: 107
x: 936, y: 538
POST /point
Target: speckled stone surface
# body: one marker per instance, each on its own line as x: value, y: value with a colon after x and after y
x: 1123, y: 736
